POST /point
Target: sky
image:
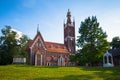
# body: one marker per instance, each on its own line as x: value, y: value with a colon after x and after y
x: 25, y: 15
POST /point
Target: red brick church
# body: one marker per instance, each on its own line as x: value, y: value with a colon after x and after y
x: 52, y: 53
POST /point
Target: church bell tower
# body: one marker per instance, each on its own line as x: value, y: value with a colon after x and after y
x: 69, y: 34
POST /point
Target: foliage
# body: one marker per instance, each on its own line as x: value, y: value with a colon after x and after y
x: 23, y: 41
x: 25, y: 72
x: 72, y: 58
x: 115, y: 42
x: 10, y: 46
x: 92, y: 41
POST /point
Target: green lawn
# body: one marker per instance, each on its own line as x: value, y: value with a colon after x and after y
x: 25, y: 72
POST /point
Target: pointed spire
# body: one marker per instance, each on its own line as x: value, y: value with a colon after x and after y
x: 38, y: 28
x: 68, y: 10
x: 68, y: 13
x: 68, y: 17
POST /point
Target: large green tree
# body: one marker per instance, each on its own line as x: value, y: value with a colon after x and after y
x: 8, y: 45
x: 11, y: 46
x: 91, y: 40
x: 115, y: 42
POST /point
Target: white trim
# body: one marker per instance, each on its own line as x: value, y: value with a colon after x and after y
x: 48, y: 63
x: 35, y: 59
x: 41, y: 59
x: 69, y: 38
x: 30, y: 55
x: 69, y: 25
x: 108, y: 64
x: 36, y: 41
x: 61, y: 61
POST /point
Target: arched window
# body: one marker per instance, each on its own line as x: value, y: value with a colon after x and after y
x: 48, y: 64
x: 109, y: 57
x: 105, y: 59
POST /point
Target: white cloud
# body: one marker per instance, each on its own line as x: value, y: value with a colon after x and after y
x: 19, y: 33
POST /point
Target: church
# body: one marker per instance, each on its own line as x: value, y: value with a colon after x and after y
x: 45, y: 53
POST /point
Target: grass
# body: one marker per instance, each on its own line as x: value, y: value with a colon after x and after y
x: 25, y: 72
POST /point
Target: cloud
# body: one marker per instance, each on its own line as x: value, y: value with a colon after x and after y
x: 19, y: 33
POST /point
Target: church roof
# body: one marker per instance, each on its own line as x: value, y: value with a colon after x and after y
x: 52, y: 47
x: 31, y: 42
x: 56, y: 47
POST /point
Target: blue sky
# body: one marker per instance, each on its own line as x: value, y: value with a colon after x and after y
x: 24, y: 15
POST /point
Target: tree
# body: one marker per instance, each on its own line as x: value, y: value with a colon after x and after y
x: 23, y: 41
x: 8, y: 45
x: 22, y: 48
x: 92, y: 41
x: 115, y: 42
x: 11, y: 46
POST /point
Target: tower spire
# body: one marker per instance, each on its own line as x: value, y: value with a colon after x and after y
x: 38, y: 28
x: 69, y: 33
x: 68, y: 16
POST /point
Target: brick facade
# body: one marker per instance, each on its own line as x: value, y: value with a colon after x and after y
x: 51, y: 53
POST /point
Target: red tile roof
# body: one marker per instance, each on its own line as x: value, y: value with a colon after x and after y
x: 51, y: 46
x: 56, y: 47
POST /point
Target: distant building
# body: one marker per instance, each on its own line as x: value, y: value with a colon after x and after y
x: 116, y: 56
x: 52, y: 53
x: 19, y: 59
x: 112, y: 58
